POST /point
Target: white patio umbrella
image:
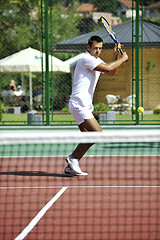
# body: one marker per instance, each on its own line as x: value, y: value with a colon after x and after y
x: 73, y: 61
x: 29, y: 60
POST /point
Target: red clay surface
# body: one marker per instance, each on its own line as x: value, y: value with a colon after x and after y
x: 119, y: 199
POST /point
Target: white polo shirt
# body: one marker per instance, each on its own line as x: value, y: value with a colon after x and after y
x: 85, y: 80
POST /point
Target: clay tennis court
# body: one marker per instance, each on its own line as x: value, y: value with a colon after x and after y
x: 119, y: 199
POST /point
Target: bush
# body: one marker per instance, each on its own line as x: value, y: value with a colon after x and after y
x: 101, y: 107
x: 65, y: 109
x: 156, y: 111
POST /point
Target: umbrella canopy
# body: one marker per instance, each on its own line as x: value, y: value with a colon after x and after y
x: 73, y: 61
x: 30, y: 60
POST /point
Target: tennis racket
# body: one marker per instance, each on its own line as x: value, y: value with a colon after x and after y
x: 108, y: 28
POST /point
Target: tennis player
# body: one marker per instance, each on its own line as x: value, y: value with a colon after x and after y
x: 86, y: 75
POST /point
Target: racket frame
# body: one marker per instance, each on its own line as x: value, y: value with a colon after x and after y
x: 111, y: 34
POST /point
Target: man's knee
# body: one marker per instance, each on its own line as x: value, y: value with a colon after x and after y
x: 90, y: 125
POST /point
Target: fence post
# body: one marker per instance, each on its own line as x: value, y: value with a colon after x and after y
x: 47, y: 95
x: 137, y: 61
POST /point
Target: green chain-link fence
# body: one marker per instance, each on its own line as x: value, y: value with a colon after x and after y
x: 35, y: 86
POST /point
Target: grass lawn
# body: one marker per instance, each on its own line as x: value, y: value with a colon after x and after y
x: 62, y: 119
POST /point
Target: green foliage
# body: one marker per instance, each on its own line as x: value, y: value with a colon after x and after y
x: 17, y: 28
x: 20, y: 29
x: 106, y: 6
x: 124, y: 19
x: 65, y: 109
x: 156, y: 111
x: 20, y: 24
x: 150, y: 65
x: 151, y: 19
x: 88, y: 25
x: 24, y: 2
x: 101, y: 107
x: 65, y: 23
x: 148, y: 2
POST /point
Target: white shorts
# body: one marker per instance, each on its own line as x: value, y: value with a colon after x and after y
x: 80, y: 113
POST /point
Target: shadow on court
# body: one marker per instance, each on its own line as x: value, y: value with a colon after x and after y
x: 34, y: 173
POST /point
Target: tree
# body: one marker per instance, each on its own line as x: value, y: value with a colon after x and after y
x: 148, y: 2
x: 65, y: 23
x: 20, y: 25
x: 106, y: 6
x: 17, y: 28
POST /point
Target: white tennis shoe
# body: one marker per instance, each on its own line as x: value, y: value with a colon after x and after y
x: 70, y: 172
x: 74, y: 167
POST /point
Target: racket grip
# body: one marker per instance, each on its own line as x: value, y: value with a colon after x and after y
x: 121, y: 51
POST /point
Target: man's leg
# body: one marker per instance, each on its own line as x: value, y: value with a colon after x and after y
x: 90, y: 125
x: 73, y: 167
x: 87, y: 126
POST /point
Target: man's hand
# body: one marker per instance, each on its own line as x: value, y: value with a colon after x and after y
x: 116, y: 51
x: 125, y: 56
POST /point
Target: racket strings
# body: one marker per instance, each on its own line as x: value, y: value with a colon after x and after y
x: 107, y: 27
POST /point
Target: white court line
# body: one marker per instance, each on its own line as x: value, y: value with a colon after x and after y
x: 35, y: 220
x: 108, y: 186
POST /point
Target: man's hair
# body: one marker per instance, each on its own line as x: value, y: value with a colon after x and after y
x: 94, y: 39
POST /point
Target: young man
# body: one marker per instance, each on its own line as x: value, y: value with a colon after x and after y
x: 86, y: 76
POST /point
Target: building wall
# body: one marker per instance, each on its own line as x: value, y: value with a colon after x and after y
x: 121, y: 84
x: 110, y: 18
x: 125, y: 12
x: 151, y: 76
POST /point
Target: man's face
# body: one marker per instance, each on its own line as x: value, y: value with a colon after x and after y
x: 95, y: 49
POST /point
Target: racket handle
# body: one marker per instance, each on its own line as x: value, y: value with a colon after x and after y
x: 120, y: 49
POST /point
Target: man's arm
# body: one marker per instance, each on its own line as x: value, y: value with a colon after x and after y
x: 111, y: 68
